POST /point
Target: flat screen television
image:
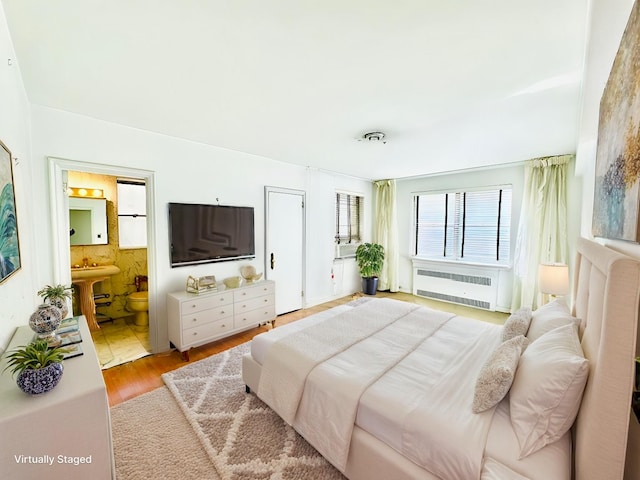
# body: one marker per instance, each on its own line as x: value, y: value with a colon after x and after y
x: 210, y: 233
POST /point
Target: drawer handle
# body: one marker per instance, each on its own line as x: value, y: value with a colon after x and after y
x: 195, y: 333
x: 223, y: 325
x: 266, y: 299
x: 222, y: 312
x: 193, y: 305
x: 194, y: 319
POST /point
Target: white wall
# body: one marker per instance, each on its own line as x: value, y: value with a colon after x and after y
x: 18, y: 296
x: 608, y: 20
x: 190, y: 172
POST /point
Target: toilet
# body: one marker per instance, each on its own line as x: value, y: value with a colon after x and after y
x: 138, y: 302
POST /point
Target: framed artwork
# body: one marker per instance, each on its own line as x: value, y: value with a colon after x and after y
x: 617, y: 185
x: 9, y: 246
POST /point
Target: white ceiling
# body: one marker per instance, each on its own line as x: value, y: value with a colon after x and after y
x: 453, y: 83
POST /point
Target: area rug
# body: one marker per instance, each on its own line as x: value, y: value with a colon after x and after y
x: 153, y: 439
x: 243, y: 437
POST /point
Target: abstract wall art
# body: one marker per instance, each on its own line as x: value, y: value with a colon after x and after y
x: 617, y: 184
x: 9, y: 245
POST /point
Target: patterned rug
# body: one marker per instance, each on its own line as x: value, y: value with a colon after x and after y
x: 244, y: 438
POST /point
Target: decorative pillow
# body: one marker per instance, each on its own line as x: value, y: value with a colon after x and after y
x: 496, y: 375
x: 548, y: 317
x: 547, y: 389
x: 517, y: 324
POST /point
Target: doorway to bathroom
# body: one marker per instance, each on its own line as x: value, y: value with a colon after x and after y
x: 124, y: 306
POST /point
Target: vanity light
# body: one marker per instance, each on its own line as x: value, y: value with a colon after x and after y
x: 85, y: 192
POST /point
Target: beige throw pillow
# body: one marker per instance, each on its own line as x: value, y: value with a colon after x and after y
x: 496, y: 375
x: 517, y: 324
x: 547, y: 389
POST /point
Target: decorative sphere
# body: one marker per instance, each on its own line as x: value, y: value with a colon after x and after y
x: 45, y: 320
x: 61, y: 304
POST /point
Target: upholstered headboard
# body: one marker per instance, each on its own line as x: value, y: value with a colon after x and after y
x: 606, y: 293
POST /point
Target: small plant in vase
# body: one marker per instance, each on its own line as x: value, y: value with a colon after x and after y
x: 57, y: 295
x: 37, y: 365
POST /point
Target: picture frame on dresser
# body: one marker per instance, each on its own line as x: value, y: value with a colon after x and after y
x: 9, y: 243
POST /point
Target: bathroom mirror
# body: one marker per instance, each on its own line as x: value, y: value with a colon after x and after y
x: 88, y: 221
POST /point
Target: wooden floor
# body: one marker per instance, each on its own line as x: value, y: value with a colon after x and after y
x: 135, y: 378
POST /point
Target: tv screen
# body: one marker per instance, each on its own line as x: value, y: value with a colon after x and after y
x: 210, y: 233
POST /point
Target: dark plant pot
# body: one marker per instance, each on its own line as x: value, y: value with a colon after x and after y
x: 35, y: 382
x: 370, y: 285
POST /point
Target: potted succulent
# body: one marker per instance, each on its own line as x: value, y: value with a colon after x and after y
x: 38, y: 366
x: 370, y: 257
x: 57, y: 295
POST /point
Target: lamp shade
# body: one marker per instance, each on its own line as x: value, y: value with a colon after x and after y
x: 553, y: 278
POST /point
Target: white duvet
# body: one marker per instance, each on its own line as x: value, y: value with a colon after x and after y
x: 320, y: 378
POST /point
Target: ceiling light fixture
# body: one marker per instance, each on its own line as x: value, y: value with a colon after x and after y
x: 373, y: 137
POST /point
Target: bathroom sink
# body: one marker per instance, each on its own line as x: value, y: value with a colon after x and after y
x: 84, y: 278
x: 80, y: 273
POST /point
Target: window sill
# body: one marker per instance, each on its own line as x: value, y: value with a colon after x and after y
x: 417, y: 261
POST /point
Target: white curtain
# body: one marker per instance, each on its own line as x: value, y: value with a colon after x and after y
x: 386, y: 233
x: 542, y: 232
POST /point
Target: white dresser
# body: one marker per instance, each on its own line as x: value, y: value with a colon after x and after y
x: 69, y: 427
x: 196, y: 319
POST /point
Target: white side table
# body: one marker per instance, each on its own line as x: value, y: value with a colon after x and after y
x: 64, y: 433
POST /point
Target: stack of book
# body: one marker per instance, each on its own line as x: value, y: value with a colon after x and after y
x: 68, y: 336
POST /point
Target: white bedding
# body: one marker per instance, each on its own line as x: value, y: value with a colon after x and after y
x: 400, y: 394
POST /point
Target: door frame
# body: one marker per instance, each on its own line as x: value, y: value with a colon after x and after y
x: 303, y: 196
x: 59, y: 205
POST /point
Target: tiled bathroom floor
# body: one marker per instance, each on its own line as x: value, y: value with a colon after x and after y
x: 120, y: 341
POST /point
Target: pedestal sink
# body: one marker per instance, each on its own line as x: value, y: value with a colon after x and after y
x: 85, y: 278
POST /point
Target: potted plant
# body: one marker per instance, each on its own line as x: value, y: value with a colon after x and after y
x: 370, y: 257
x: 38, y: 366
x: 57, y: 295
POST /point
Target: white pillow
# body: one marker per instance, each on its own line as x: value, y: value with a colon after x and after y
x: 496, y: 375
x: 517, y: 324
x: 494, y: 470
x: 547, y: 389
x: 548, y: 317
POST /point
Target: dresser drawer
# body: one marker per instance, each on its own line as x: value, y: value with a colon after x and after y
x: 264, y: 288
x: 198, y: 304
x: 253, y: 303
x: 206, y: 332
x: 200, y: 318
x: 255, y: 317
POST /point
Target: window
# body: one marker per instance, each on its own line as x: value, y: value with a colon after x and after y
x: 473, y: 226
x: 348, y: 215
x: 132, y: 214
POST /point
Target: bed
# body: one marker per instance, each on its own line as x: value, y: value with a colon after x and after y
x: 387, y: 389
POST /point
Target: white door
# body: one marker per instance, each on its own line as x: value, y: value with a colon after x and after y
x: 284, y: 246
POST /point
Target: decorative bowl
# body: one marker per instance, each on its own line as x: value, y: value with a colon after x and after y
x: 232, y: 282
x: 42, y: 380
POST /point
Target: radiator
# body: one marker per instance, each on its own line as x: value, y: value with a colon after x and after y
x: 464, y: 285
